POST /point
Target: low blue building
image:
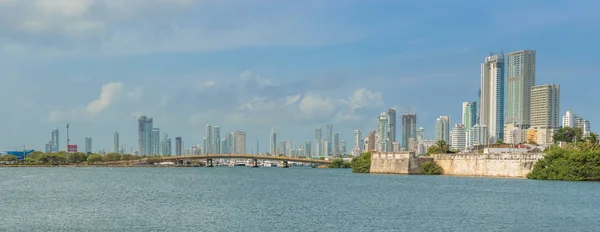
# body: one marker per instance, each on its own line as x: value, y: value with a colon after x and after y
x: 19, y: 154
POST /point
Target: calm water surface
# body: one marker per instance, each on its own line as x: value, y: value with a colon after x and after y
x: 294, y: 199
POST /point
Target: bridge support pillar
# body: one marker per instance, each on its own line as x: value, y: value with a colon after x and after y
x: 285, y: 164
x: 209, y: 163
x: 255, y: 163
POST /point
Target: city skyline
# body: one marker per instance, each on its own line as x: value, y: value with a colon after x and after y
x: 343, y: 73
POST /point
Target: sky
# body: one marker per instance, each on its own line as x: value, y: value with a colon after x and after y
x: 255, y: 65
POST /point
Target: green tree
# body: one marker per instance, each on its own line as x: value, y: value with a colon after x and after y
x: 76, y: 158
x: 499, y: 141
x: 431, y: 168
x: 362, y: 163
x: 568, y: 164
x: 8, y: 158
x: 111, y: 157
x: 568, y: 134
x: 339, y: 163
x: 94, y: 158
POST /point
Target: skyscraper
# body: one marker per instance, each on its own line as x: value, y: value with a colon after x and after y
x: 156, y: 141
x: 382, y: 129
x: 178, y: 146
x: 166, y: 146
x: 357, y: 140
x: 343, y: 148
x: 273, y: 142
x: 459, y: 138
x: 115, y: 147
x: 55, y: 141
x: 420, y: 134
x: 409, y: 128
x: 391, y: 117
x: 545, y: 106
x: 224, y: 146
x: 88, y: 144
x: 520, y: 78
x: 307, y: 149
x: 145, y: 126
x: 240, y: 142
x: 204, y: 142
x: 319, y: 142
x: 208, y: 148
x: 336, y: 144
x: 442, y: 129
x: 491, y: 111
x: 215, y: 141
x: 329, y: 139
x: 572, y: 120
x: 469, y: 114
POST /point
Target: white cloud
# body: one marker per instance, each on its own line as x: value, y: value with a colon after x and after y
x: 109, y: 95
x: 209, y: 84
x: 364, y: 97
x: 292, y: 99
x: 313, y: 105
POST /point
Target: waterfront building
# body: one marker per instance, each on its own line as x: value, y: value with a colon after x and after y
x: 223, y: 144
x: 342, y: 148
x: 395, y: 146
x: 477, y: 135
x: 515, y: 133
x: 121, y: 149
x: 420, y: 134
x: 520, y: 78
x: 307, y: 149
x: 409, y: 128
x: 336, y: 144
x: 318, y: 142
x: 371, y: 141
x: 273, y: 142
x: 88, y: 144
x: 382, y: 132
x: 166, y: 146
x: 442, y: 129
x: 357, y: 140
x: 115, y: 147
x: 145, y: 126
x: 391, y: 132
x: 459, y: 138
x: 469, y: 114
x: 545, y: 106
x: 215, y: 146
x: 178, y: 146
x: 572, y: 120
x: 423, y: 146
x: 240, y: 142
x: 540, y: 135
x: 208, y: 147
x: 413, y: 145
x: 491, y: 102
x: 156, y: 141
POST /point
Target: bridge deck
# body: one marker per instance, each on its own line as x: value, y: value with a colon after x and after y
x: 236, y: 156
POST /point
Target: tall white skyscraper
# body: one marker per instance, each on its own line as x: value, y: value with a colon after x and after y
x: 382, y: 131
x: 520, y: 78
x: 88, y: 144
x: 145, y: 126
x: 491, y: 110
x: 442, y: 129
x: 336, y: 144
x: 307, y: 149
x: 545, y: 106
x: 273, y: 141
x: 329, y: 139
x: 357, y: 140
x: 115, y: 147
x: 572, y: 120
x: 420, y: 134
x: 477, y: 135
x: 209, y: 140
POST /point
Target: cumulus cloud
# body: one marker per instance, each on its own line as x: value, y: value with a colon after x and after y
x: 363, y: 98
x: 110, y: 94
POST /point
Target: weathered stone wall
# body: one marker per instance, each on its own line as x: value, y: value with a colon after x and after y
x: 495, y: 165
x: 397, y: 163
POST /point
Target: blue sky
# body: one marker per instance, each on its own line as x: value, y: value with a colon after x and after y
x: 255, y: 65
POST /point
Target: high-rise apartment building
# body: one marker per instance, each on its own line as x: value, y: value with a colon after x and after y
x: 145, y: 126
x: 178, y: 146
x: 357, y: 140
x: 520, y: 78
x: 572, y: 120
x: 491, y: 104
x: 420, y: 134
x: 307, y: 149
x: 240, y: 142
x: 477, y: 135
x: 336, y: 144
x: 469, y: 114
x: 88, y: 144
x: 224, y: 148
x: 329, y: 139
x: 409, y: 128
x: 273, y: 142
x: 545, y: 106
x: 166, y: 146
x: 115, y: 147
x: 319, y: 142
x: 156, y: 141
x: 382, y: 129
x: 215, y: 141
x: 442, y: 129
x: 459, y: 138
x: 208, y: 147
x: 391, y: 117
x: 371, y: 141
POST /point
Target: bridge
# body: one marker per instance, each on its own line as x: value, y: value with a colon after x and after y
x: 209, y: 158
